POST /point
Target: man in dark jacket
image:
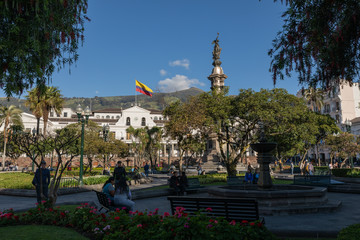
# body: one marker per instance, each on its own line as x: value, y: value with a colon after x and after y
x: 119, y: 173
x: 45, y: 180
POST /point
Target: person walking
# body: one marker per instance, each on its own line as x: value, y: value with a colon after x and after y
x: 41, y: 181
x: 292, y: 167
x: 146, y: 169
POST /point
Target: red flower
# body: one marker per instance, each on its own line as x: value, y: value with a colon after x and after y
x: 140, y: 214
x: 259, y: 224
x: 252, y: 224
x: 116, y: 218
x: 209, y: 209
x: 232, y: 222
x: 244, y: 221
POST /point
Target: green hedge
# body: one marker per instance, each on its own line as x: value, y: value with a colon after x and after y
x: 350, y: 233
x: 346, y: 172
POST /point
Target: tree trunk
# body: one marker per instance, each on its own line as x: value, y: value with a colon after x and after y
x: 37, y: 126
x: 5, y: 142
x: 45, y: 119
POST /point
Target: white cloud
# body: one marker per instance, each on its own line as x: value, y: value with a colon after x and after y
x: 163, y: 72
x: 182, y: 63
x: 178, y: 83
x: 96, y: 91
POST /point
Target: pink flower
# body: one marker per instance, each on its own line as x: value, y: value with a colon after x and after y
x: 123, y: 208
x: 139, y: 225
x: 209, y: 209
x: 209, y: 226
x: 232, y: 223
x: 186, y: 225
x: 166, y: 214
x: 116, y: 218
x: 244, y: 221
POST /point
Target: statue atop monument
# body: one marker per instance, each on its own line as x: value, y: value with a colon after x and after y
x: 216, y: 52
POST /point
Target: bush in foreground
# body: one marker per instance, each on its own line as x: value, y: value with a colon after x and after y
x: 139, y: 225
x: 350, y: 233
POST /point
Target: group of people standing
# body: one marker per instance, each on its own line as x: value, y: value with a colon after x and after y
x: 306, y: 168
x: 251, y: 175
x: 117, y: 190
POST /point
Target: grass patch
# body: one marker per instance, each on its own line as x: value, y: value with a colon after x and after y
x: 35, y: 232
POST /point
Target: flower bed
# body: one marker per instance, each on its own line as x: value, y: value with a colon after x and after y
x: 138, y: 225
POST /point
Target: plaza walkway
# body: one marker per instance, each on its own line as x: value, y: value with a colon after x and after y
x: 299, y: 225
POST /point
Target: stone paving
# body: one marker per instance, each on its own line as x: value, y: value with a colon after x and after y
x: 299, y: 225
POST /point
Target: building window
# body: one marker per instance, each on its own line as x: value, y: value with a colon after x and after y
x: 51, y: 114
x: 117, y: 117
x: 112, y: 117
x: 97, y: 116
x: 160, y: 118
x: 128, y: 123
x: 65, y: 114
x: 155, y: 118
x: 337, y: 117
x: 143, y: 122
x: 128, y: 136
x: 107, y: 117
x: 58, y: 115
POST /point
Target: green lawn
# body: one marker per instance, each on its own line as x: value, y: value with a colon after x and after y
x: 16, y: 180
x: 36, y: 232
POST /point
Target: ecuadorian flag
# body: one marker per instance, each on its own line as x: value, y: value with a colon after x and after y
x: 142, y: 88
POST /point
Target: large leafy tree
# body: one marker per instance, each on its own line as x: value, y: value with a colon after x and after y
x: 188, y: 123
x: 343, y: 145
x: 9, y: 116
x: 41, y: 100
x: 153, y: 143
x: 138, y: 144
x: 35, y: 38
x: 320, y: 40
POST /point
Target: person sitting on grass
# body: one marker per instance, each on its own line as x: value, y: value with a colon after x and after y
x: 248, y: 177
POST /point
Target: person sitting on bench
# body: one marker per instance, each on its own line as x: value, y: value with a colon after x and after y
x: 175, y: 183
x: 109, y: 190
x: 123, y: 195
x: 183, y: 183
x: 248, y: 177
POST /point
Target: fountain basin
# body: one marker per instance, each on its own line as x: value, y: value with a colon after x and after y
x: 281, y: 199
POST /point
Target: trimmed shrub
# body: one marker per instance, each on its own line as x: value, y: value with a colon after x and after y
x: 350, y: 233
x: 346, y: 172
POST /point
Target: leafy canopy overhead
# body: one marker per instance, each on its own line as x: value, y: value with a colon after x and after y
x: 35, y: 37
x: 320, y: 41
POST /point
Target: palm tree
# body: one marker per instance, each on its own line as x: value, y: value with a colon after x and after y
x: 9, y: 116
x: 41, y: 101
x: 315, y: 98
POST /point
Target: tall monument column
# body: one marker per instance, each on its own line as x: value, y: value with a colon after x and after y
x: 217, y: 76
x: 211, y: 160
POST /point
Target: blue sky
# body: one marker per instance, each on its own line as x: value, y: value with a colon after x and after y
x: 166, y: 44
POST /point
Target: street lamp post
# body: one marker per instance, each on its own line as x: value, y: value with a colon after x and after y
x: 83, y: 117
x: 106, y: 129
x: 348, y: 129
x: 33, y: 164
x: 169, y: 152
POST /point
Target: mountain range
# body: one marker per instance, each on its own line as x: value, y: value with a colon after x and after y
x: 158, y: 101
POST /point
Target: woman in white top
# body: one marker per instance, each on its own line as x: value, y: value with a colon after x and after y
x: 123, y: 195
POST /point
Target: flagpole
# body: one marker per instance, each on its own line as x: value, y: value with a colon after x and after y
x: 135, y: 94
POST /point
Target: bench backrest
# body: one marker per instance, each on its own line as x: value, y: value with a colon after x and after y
x: 193, y: 182
x: 320, y: 180
x: 235, y: 180
x: 230, y: 208
x: 103, y: 199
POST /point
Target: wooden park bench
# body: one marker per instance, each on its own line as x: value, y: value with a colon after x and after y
x: 235, y: 180
x: 104, y: 201
x: 316, y: 180
x: 193, y: 185
x: 237, y: 209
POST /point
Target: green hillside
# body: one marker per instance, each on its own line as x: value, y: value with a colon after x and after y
x: 157, y: 101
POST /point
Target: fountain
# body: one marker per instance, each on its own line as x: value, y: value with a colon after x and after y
x: 277, y: 199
